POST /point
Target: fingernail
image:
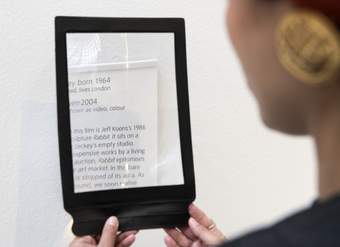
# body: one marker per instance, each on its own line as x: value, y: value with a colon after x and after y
x: 193, y: 222
x: 112, y: 221
x: 192, y: 207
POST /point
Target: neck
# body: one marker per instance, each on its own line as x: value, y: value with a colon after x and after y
x: 326, y: 134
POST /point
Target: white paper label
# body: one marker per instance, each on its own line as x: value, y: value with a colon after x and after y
x: 113, y: 110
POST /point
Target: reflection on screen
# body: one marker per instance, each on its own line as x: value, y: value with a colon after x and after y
x: 123, y: 110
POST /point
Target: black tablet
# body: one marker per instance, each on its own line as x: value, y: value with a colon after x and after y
x: 123, y: 122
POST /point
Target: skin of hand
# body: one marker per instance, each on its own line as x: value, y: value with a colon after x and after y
x: 201, y: 232
x: 108, y: 238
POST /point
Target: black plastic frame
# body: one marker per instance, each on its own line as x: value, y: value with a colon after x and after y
x: 136, y: 208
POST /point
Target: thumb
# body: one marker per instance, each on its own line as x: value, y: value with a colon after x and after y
x: 109, y: 233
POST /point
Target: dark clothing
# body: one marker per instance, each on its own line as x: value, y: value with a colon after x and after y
x: 317, y: 226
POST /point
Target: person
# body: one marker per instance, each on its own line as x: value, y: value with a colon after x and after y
x: 290, y: 53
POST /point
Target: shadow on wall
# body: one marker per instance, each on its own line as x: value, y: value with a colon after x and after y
x: 41, y: 219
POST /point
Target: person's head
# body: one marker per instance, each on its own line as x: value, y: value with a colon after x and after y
x: 287, y: 103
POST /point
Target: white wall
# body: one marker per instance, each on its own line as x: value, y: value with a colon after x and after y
x: 246, y: 175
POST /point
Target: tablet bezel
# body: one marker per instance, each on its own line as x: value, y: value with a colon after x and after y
x: 185, y: 192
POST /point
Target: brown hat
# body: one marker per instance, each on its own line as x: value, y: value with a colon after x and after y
x: 331, y: 8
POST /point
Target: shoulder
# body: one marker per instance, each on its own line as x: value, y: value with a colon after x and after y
x: 317, y: 226
x: 264, y: 238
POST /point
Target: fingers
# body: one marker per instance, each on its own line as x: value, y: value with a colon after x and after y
x: 124, y: 235
x: 178, y: 237
x: 208, y: 237
x: 169, y: 242
x: 108, y: 237
x: 188, y: 233
x: 127, y: 241
x: 200, y: 216
x: 126, y: 238
x: 85, y: 241
x: 197, y: 244
x: 77, y: 244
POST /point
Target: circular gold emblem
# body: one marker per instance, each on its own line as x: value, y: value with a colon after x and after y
x: 308, y: 46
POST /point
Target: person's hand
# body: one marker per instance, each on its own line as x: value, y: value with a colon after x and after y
x: 108, y: 238
x: 201, y: 232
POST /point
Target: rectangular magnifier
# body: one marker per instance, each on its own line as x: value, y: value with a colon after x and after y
x: 123, y: 122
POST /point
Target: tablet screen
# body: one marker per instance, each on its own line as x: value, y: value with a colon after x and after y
x: 123, y: 110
